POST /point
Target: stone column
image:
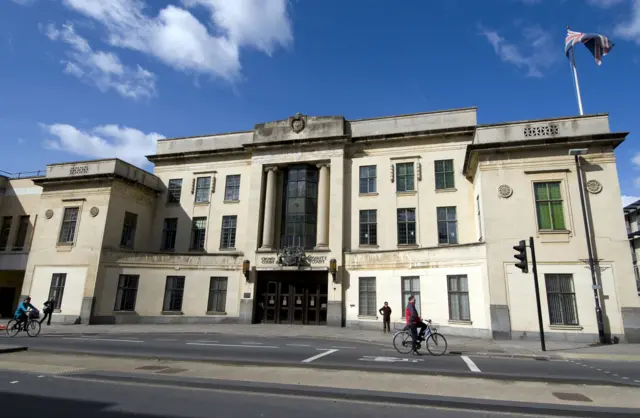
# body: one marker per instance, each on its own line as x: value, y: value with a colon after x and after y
x: 322, y: 232
x: 269, y: 210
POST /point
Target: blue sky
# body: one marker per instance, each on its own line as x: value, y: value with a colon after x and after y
x: 95, y: 78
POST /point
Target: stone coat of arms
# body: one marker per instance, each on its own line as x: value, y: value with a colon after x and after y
x: 292, y: 256
x: 298, y: 123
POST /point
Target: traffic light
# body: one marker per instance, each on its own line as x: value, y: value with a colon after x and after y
x: 521, y: 248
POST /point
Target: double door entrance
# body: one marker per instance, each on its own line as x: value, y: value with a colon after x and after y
x: 297, y: 297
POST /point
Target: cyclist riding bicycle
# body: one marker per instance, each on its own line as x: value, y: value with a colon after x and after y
x: 414, y: 322
x: 21, y: 313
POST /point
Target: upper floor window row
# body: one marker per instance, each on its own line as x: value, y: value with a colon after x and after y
x: 405, y: 176
x: 202, y: 188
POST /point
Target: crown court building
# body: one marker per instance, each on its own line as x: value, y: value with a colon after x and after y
x: 320, y: 220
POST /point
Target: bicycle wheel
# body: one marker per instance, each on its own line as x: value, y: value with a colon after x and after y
x: 12, y: 328
x: 402, y: 342
x: 33, y: 328
x: 436, y: 344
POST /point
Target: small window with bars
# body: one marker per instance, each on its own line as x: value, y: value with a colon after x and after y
x: 561, y: 298
x: 127, y: 292
x: 232, y: 188
x: 368, y: 227
x: 447, y: 225
x: 406, y: 226
x: 198, y: 233
x: 217, y: 294
x: 69, y: 225
x: 458, y: 289
x: 228, y: 233
x: 56, y: 291
x: 173, y: 294
x: 367, y: 296
x: 410, y: 286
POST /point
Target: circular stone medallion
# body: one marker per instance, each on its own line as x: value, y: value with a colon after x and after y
x: 505, y: 191
x: 94, y: 211
x: 48, y: 214
x: 594, y: 186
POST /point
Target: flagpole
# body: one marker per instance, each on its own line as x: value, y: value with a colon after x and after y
x: 575, y: 78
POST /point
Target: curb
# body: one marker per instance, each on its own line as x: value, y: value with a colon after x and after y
x: 5, y: 349
x: 361, y: 395
x: 341, y: 367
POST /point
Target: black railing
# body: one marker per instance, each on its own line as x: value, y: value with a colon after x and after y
x: 23, y: 174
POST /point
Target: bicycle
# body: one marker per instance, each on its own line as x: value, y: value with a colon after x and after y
x: 402, y: 339
x: 31, y: 326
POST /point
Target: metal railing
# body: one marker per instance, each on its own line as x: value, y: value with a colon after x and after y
x: 23, y: 174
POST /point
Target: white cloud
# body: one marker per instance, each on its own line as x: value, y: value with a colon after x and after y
x: 627, y: 200
x: 105, y: 141
x: 102, y: 69
x: 540, y: 43
x: 180, y: 40
x: 630, y: 29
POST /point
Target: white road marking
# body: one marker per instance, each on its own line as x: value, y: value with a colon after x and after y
x: 607, y: 372
x: 234, y: 345
x: 104, y: 339
x: 625, y: 378
x: 205, y: 341
x: 14, y: 382
x: 637, y: 381
x: 40, y: 376
x: 250, y: 343
x: 316, y: 357
x: 298, y: 345
x: 389, y: 359
x: 348, y: 348
x: 472, y: 366
x: 166, y: 339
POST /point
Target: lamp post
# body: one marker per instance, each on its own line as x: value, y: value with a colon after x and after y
x: 577, y: 152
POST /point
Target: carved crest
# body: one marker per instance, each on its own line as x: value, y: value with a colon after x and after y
x: 292, y: 256
x: 298, y: 123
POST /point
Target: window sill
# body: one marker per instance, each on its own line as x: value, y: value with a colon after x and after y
x: 554, y: 232
x: 554, y: 236
x: 450, y: 190
x: 372, y: 194
x: 227, y: 249
x: 216, y: 313
x: 448, y: 244
x: 408, y: 246
x: 366, y: 246
x: 230, y: 201
x: 201, y: 203
x: 368, y: 318
x: 64, y: 247
x: 460, y: 322
x: 566, y: 327
x: 124, y: 313
x: 172, y: 313
x: 407, y: 193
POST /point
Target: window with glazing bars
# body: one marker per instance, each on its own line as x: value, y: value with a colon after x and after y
x: 444, y: 174
x: 458, y: 288
x: 561, y: 298
x: 127, y: 292
x: 203, y: 188
x: 405, y: 177
x: 169, y: 231
x: 21, y: 236
x: 368, y: 227
x: 367, y: 296
x: 406, y: 226
x: 68, y: 227
x: 198, y: 233
x: 173, y: 293
x: 228, y: 233
x: 549, y: 206
x: 447, y: 225
x: 232, y: 188
x: 5, y: 230
x: 174, y: 191
x: 129, y: 230
x: 56, y: 291
x: 368, y: 179
x: 217, y: 294
x: 410, y: 286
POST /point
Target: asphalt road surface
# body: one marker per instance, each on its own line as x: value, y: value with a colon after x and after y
x: 30, y: 395
x: 328, y: 354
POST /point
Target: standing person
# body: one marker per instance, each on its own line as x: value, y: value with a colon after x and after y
x: 385, y: 311
x: 48, y: 311
x: 414, y: 322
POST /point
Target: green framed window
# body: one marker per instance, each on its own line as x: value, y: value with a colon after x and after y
x: 549, y: 208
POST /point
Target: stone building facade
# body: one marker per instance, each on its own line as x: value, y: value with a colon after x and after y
x: 320, y: 220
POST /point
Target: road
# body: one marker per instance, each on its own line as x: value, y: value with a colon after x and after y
x: 321, y: 353
x: 30, y: 395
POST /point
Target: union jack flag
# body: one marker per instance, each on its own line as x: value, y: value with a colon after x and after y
x: 599, y: 45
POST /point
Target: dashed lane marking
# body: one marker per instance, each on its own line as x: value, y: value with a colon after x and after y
x: 472, y: 366
x: 316, y: 357
x: 104, y: 339
x: 234, y: 345
x: 298, y: 345
x: 14, y: 382
x: 348, y: 348
x: 251, y: 343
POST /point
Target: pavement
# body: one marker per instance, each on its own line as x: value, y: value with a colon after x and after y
x: 319, y: 354
x: 55, y: 396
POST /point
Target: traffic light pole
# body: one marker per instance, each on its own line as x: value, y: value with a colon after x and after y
x: 535, y: 282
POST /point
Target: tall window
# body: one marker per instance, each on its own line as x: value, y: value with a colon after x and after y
x: 410, y: 286
x: 300, y: 206
x: 406, y: 226
x: 127, y: 292
x: 173, y: 293
x: 5, y: 230
x: 444, y: 174
x: 198, y: 233
x: 169, y: 231
x: 21, y: 237
x: 228, y: 234
x: 549, y: 206
x: 561, y: 298
x: 129, y: 230
x: 232, y: 188
x: 68, y: 227
x: 458, y: 288
x: 479, y: 212
x: 368, y: 227
x: 56, y: 291
x: 447, y: 225
x: 405, y: 178
x: 203, y: 187
x: 368, y: 179
x: 217, y: 294
x: 175, y: 190
x: 367, y: 296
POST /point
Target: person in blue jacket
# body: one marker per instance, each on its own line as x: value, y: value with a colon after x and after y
x: 21, y: 313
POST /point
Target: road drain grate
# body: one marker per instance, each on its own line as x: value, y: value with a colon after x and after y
x: 151, y: 368
x: 172, y: 371
x: 575, y: 397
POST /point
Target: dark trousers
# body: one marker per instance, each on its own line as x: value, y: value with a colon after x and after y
x: 415, y: 333
x: 47, y: 315
x: 386, y: 324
